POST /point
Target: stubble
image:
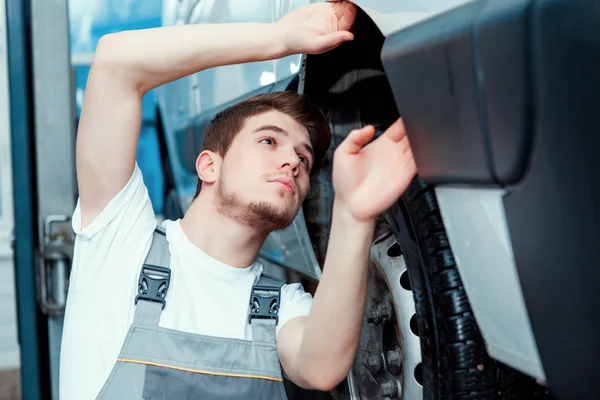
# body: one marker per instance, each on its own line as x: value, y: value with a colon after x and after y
x: 262, y: 216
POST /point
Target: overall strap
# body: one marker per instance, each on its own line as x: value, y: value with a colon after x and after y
x: 265, y: 299
x: 153, y: 282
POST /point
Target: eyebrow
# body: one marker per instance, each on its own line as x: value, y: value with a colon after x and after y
x: 281, y: 131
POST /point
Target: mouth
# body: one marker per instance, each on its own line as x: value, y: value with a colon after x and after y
x: 286, y: 183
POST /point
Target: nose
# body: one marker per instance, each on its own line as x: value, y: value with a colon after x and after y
x: 291, y: 161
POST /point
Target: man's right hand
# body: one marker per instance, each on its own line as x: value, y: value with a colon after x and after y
x: 317, y: 28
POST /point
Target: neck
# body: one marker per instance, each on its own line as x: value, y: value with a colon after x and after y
x: 222, y: 238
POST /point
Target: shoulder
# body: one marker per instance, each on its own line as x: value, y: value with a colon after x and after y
x: 295, y: 293
x: 127, y: 210
x: 167, y: 226
x: 289, y: 292
x: 171, y: 229
x: 292, y: 295
x: 295, y: 302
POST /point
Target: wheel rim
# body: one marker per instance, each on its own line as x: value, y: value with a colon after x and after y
x: 379, y: 370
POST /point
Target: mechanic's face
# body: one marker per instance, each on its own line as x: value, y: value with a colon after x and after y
x: 264, y: 176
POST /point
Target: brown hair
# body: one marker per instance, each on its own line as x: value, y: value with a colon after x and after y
x: 228, y: 123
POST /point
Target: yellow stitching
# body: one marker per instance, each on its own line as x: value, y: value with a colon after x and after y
x: 199, y: 371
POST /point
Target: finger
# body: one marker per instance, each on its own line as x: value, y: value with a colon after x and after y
x: 357, y: 139
x: 330, y: 41
x: 396, y: 131
x: 345, y: 12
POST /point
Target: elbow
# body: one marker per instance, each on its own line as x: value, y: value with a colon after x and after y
x: 327, y: 384
x: 324, y: 374
x: 324, y: 382
x: 106, y: 54
x: 112, y: 62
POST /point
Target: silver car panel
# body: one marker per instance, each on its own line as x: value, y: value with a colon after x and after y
x: 392, y: 15
x: 477, y: 230
x: 201, y: 92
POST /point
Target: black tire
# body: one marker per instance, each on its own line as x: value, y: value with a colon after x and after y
x: 455, y: 364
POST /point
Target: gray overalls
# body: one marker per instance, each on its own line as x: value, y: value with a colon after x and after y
x: 160, y: 363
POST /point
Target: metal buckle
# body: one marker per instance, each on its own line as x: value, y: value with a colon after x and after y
x: 153, y: 284
x: 264, y: 303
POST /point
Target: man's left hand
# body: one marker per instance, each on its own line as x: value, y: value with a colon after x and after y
x: 369, y: 178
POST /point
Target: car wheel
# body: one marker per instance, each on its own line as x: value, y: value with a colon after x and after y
x: 420, y: 339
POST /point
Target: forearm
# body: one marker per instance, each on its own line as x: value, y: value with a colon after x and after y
x: 148, y: 58
x: 333, y: 328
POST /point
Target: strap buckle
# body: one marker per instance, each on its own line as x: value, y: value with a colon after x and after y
x: 153, y: 284
x: 264, y: 303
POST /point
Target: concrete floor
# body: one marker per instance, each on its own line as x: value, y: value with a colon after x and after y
x: 10, y: 384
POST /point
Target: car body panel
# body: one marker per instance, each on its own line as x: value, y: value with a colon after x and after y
x: 449, y: 83
x: 536, y: 126
x: 391, y: 16
x: 478, y: 233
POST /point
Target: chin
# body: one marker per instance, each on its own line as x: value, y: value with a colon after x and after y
x: 271, y: 216
x: 284, y: 212
x: 283, y: 204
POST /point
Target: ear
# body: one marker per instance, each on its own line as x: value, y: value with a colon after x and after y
x: 208, y: 165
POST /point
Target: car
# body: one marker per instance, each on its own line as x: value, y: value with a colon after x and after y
x: 483, y: 281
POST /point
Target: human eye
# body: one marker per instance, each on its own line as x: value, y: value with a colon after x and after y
x: 304, y: 160
x: 268, y: 141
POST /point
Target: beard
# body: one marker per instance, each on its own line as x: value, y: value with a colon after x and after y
x: 261, y: 216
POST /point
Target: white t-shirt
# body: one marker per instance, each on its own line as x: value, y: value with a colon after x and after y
x: 205, y: 296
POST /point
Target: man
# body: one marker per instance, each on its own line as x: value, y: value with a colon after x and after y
x: 253, y: 176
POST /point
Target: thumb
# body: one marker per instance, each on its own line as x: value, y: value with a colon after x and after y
x: 330, y: 41
x: 396, y: 131
x: 357, y: 139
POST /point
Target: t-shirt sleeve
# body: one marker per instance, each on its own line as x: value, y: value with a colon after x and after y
x: 107, y: 257
x: 126, y: 223
x: 295, y: 302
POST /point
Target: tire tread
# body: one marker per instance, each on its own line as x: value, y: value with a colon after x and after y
x: 465, y: 369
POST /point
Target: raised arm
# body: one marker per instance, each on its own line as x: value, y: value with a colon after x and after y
x: 318, y: 350
x: 128, y: 64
